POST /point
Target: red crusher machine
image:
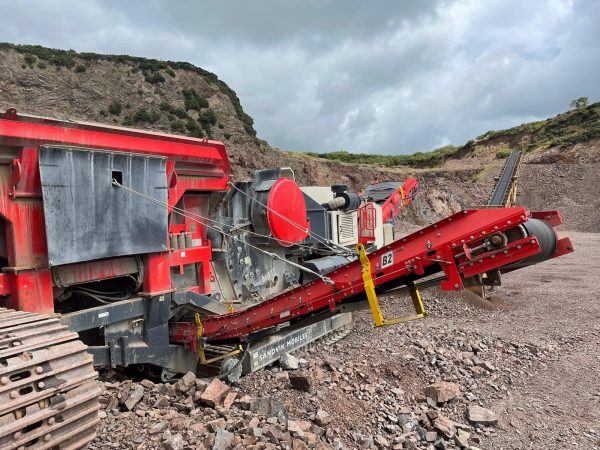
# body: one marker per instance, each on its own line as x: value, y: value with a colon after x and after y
x: 127, y: 248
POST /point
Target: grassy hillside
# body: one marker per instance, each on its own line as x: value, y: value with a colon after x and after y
x: 571, y: 127
x: 154, y: 73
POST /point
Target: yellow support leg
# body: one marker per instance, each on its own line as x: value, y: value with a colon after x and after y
x: 201, y: 356
x: 369, y: 287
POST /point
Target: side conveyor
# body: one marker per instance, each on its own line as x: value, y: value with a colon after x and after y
x: 455, y: 246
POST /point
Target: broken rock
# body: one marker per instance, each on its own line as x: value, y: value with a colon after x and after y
x: 288, y: 362
x: 322, y: 418
x: 301, y: 381
x: 444, y: 426
x: 477, y: 414
x: 442, y: 391
x: 186, y: 383
x: 223, y: 440
x: 134, y: 396
x: 214, y: 393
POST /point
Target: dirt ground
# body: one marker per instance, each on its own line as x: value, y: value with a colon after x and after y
x: 554, y: 303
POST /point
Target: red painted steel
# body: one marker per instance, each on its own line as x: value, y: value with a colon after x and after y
x: 438, y: 244
x: 286, y: 212
x: 193, y: 165
x: 400, y: 197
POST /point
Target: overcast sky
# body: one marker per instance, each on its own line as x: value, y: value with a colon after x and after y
x: 364, y: 76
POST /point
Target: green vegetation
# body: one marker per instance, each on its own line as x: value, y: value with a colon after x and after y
x: 179, y: 112
x: 67, y: 58
x: 115, y: 108
x: 419, y: 159
x: 80, y: 68
x: 580, y: 102
x: 30, y: 60
x: 141, y: 116
x: 208, y: 117
x: 178, y: 127
x: 502, y: 154
x: 193, y: 100
x: 578, y: 125
x: 153, y: 77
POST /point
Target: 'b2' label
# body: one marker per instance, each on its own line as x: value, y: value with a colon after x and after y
x: 387, y: 259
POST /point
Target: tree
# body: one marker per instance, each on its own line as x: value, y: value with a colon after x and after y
x: 579, y: 103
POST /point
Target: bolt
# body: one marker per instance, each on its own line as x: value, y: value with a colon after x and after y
x: 16, y: 343
x: 41, y: 385
x: 456, y: 286
x: 18, y: 434
x: 47, y: 437
x: 14, y: 394
x: 518, y: 247
x: 39, y: 369
x: 4, y: 380
x: 51, y: 421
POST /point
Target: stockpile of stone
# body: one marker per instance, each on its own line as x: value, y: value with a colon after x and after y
x: 197, y: 414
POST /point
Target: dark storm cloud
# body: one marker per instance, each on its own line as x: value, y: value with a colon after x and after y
x: 386, y: 77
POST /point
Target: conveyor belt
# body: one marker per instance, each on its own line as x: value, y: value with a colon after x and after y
x: 503, y: 185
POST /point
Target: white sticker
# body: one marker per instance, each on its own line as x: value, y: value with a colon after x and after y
x: 183, y: 254
x: 387, y: 259
x: 104, y: 314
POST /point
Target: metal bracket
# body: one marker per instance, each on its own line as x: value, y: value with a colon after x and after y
x: 369, y: 287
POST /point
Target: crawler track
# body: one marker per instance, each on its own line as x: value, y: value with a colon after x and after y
x: 48, y: 388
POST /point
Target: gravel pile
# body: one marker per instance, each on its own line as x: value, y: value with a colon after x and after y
x: 409, y: 386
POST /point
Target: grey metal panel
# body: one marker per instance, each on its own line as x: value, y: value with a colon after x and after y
x: 270, y: 349
x: 87, y: 218
x: 318, y: 219
x: 379, y: 192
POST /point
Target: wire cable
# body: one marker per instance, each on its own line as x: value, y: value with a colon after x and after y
x: 317, y: 237
x: 272, y: 255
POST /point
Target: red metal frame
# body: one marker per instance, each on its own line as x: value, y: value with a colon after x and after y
x: 439, y: 243
x: 400, y: 197
x: 390, y: 208
x: 193, y: 166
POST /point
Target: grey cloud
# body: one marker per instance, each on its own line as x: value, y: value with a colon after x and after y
x: 320, y: 75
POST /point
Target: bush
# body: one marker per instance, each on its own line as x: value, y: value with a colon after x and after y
x: 153, y: 77
x: 178, y: 127
x: 227, y: 136
x: 170, y: 72
x: 179, y: 112
x: 193, y: 100
x: 30, y: 60
x: 208, y: 117
x: 80, y: 68
x: 41, y: 65
x: 193, y: 128
x: 502, y: 154
x: 143, y: 116
x: 115, y: 108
